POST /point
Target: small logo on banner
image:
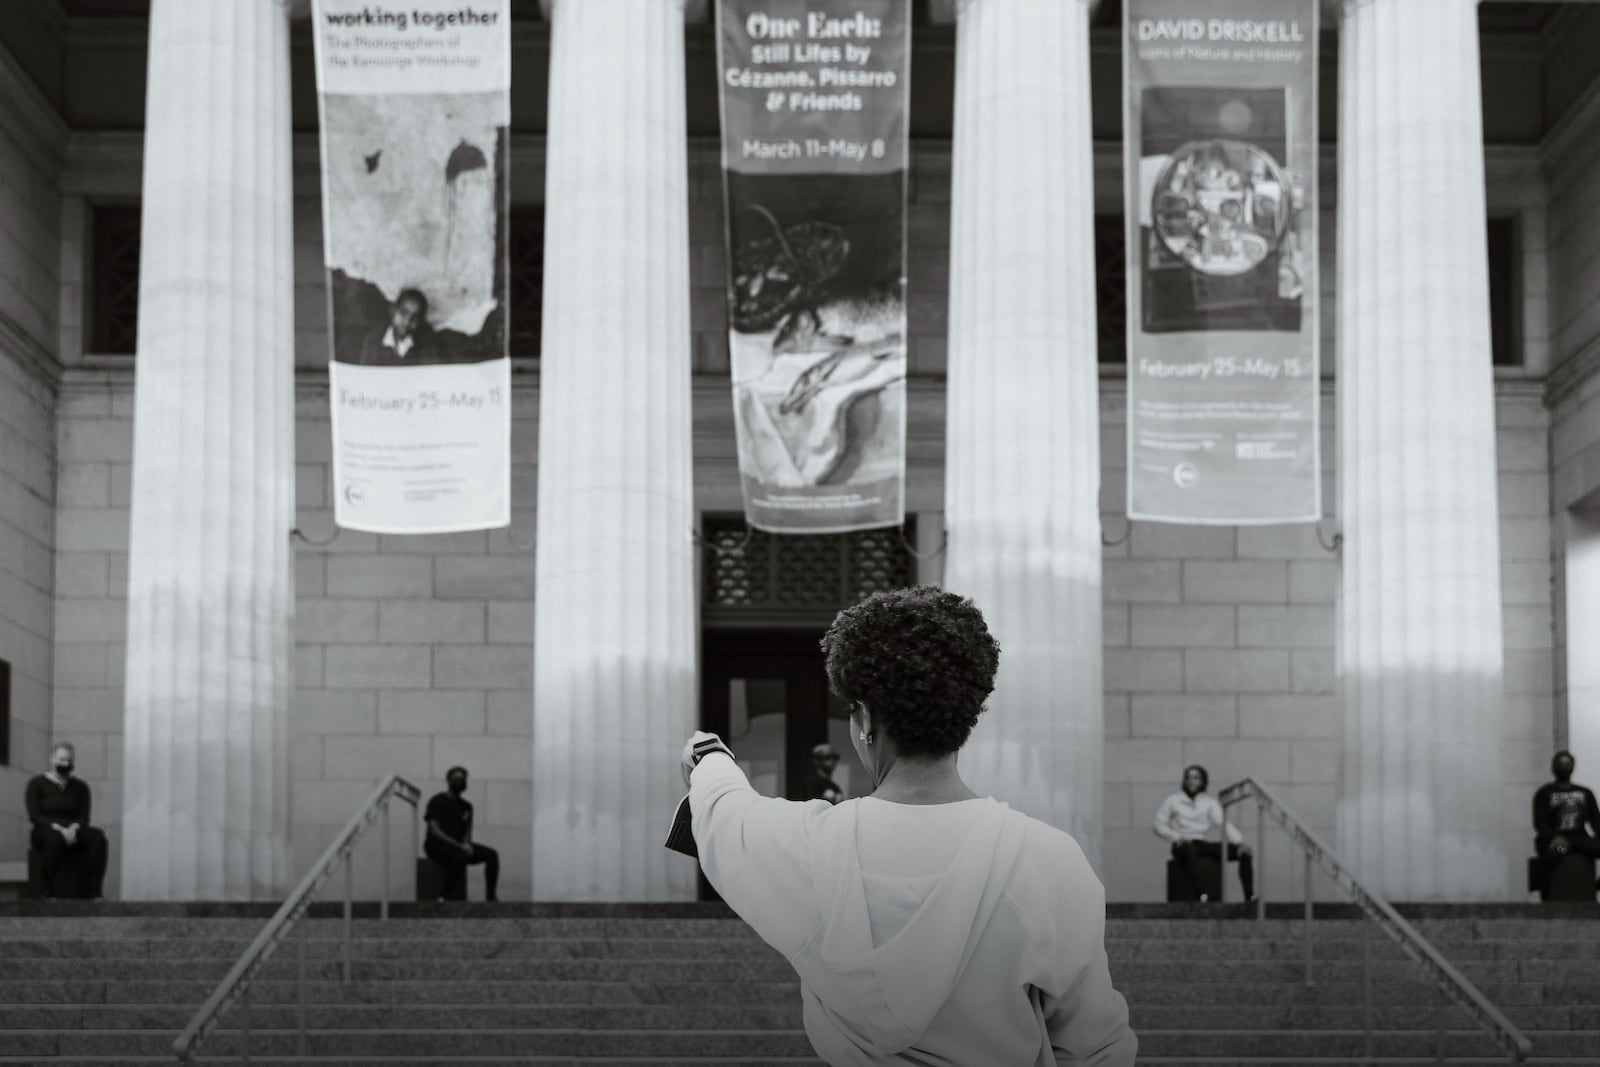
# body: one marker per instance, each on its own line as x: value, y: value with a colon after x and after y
x: 1184, y: 475
x: 354, y: 495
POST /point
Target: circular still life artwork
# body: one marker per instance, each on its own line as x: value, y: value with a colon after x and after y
x: 1220, y: 206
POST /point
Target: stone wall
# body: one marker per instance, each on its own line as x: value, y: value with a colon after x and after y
x: 30, y: 247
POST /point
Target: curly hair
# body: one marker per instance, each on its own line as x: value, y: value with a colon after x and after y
x: 922, y: 661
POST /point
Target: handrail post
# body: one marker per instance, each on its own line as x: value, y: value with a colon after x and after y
x: 383, y: 907
x: 1309, y: 980
x: 1261, y: 862
x: 1366, y: 982
x: 300, y: 1042
x: 244, y: 1027
x: 1439, y: 1002
x: 416, y: 843
x: 1222, y: 859
x: 349, y: 896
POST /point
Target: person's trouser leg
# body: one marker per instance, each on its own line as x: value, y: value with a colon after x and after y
x: 52, y: 848
x: 1589, y: 846
x: 1185, y: 853
x: 97, y: 853
x: 491, y: 869
x: 454, y: 862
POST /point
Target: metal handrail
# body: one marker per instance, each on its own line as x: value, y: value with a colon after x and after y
x: 235, y: 985
x: 1451, y: 982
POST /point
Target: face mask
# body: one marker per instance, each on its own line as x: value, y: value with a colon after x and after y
x: 64, y: 767
x: 458, y: 785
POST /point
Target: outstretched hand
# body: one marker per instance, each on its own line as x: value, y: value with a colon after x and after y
x: 698, y: 744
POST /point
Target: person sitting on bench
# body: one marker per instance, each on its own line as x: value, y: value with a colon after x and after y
x: 58, y: 807
x: 1185, y: 818
x: 1565, y: 817
x: 449, y: 840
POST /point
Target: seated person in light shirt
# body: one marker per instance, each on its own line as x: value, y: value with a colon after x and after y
x: 1188, y: 817
x: 927, y: 924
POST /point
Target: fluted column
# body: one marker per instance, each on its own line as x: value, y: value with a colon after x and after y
x: 206, y: 809
x: 1022, y: 467
x: 1420, y: 658
x: 615, y: 623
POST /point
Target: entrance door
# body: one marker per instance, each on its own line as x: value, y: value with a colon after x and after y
x: 765, y: 693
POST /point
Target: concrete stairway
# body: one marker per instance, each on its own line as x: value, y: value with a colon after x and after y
x: 686, y: 984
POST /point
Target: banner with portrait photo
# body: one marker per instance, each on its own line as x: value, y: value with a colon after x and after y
x: 814, y: 150
x: 415, y: 113
x: 1220, y: 148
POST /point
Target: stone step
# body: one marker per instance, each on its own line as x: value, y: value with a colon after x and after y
x: 369, y: 946
x: 323, y: 1014
x: 787, y: 1043
x: 763, y: 965
x: 1511, y: 997
x: 656, y: 1061
x: 448, y: 925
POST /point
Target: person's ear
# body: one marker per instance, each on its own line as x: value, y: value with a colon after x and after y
x: 863, y: 719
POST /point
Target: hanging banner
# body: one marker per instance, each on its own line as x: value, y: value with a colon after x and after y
x: 814, y: 150
x: 1221, y: 166
x: 415, y: 109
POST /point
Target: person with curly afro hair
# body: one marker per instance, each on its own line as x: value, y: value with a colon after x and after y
x: 927, y: 924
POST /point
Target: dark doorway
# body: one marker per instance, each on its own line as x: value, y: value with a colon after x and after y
x: 765, y: 693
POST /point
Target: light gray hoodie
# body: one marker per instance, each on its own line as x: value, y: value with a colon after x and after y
x: 999, y: 961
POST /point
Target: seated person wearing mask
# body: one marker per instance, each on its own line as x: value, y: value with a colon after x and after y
x: 449, y: 840
x: 58, y: 807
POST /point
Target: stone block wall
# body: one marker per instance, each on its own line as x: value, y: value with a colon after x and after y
x: 30, y: 249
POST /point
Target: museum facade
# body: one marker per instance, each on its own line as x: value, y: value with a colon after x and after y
x: 1399, y: 673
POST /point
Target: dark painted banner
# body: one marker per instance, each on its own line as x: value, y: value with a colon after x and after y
x: 814, y: 101
x: 1221, y: 164
x: 415, y: 108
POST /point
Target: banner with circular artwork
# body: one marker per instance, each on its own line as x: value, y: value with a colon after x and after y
x: 1220, y: 146
x: 415, y: 112
x: 814, y: 102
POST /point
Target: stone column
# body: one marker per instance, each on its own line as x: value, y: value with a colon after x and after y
x: 1420, y: 812
x: 615, y: 619
x: 1022, y: 472
x: 206, y: 805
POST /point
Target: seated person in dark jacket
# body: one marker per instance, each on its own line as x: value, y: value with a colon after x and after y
x: 58, y: 812
x: 1565, y: 817
x: 449, y: 839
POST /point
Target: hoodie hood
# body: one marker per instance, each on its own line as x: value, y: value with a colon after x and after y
x: 883, y: 998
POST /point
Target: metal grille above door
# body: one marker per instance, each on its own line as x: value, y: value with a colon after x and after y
x: 759, y: 579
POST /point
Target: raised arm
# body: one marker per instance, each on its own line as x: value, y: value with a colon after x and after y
x: 755, y: 852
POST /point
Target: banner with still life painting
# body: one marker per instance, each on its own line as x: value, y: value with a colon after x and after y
x: 814, y: 151
x: 415, y: 111
x: 1221, y: 168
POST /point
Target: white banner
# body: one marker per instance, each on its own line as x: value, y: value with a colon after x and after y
x: 415, y: 113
